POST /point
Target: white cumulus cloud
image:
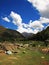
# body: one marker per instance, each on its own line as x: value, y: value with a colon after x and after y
x: 31, y: 27
x: 36, y: 24
x: 6, y: 19
x: 42, y: 6
x: 28, y: 30
x: 17, y: 20
x: 44, y: 20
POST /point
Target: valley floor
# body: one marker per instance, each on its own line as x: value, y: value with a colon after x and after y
x: 25, y: 56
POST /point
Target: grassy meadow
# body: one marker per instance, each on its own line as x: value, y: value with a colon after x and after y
x: 30, y: 55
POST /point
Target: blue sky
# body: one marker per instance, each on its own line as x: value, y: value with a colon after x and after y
x: 23, y: 15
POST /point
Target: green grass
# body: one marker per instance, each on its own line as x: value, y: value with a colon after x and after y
x: 30, y: 57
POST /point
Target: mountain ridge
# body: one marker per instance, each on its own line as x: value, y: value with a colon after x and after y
x: 9, y: 34
x: 41, y: 36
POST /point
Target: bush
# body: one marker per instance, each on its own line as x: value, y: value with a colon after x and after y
x: 33, y: 45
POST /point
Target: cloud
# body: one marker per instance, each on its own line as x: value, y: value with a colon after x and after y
x: 22, y: 29
x: 17, y: 20
x: 35, y: 31
x: 25, y: 25
x: 31, y: 27
x: 42, y: 6
x: 28, y: 30
x: 44, y: 20
x: 6, y: 19
x: 35, y: 24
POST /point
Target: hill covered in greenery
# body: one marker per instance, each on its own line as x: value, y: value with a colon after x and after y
x: 41, y: 36
x: 10, y: 35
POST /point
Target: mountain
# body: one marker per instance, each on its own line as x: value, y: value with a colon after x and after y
x: 26, y: 35
x: 41, y: 36
x: 10, y: 35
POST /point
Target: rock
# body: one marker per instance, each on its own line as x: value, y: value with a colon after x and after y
x: 42, y: 57
x: 8, y: 52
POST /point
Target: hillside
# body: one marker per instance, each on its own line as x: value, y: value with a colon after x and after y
x: 9, y: 35
x: 41, y: 36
